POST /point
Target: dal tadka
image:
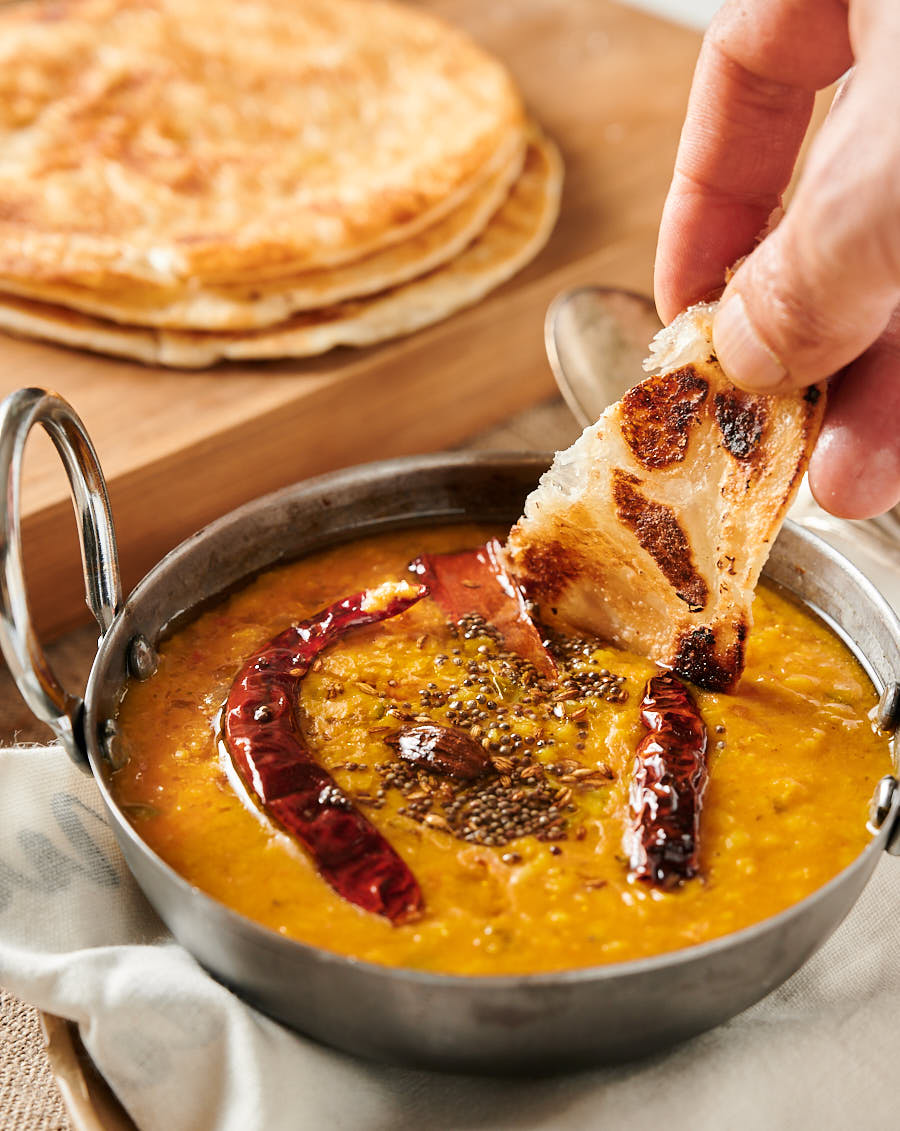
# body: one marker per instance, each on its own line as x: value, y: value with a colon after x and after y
x: 522, y: 867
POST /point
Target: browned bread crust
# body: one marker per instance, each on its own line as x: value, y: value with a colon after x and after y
x: 652, y: 529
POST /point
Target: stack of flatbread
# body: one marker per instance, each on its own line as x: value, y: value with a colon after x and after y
x: 183, y: 181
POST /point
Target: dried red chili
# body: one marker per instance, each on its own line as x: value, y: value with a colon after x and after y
x: 281, y: 773
x: 667, y: 786
x: 476, y: 581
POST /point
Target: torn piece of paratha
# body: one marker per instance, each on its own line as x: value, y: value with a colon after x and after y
x: 652, y: 528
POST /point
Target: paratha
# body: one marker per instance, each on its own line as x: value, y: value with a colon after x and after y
x: 514, y: 235
x: 193, y: 305
x: 165, y: 140
x: 652, y: 528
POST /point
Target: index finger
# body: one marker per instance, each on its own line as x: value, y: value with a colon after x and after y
x: 751, y: 100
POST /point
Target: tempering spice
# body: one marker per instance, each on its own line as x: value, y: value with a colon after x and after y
x: 497, y: 699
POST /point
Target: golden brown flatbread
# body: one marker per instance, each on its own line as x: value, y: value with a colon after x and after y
x: 513, y: 236
x: 651, y: 529
x: 195, y: 305
x: 161, y: 141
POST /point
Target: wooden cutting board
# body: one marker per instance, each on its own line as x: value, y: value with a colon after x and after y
x: 178, y: 449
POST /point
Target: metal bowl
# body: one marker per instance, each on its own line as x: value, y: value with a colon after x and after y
x: 481, y: 1024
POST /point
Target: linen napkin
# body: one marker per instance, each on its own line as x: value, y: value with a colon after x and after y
x: 182, y: 1053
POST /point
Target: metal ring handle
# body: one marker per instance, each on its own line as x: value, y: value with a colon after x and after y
x: 39, y: 687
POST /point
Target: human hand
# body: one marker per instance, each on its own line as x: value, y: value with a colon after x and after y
x: 820, y: 295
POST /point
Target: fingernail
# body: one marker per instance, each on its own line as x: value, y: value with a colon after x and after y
x: 743, y: 355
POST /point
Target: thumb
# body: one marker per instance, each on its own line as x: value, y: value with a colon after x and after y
x: 822, y: 286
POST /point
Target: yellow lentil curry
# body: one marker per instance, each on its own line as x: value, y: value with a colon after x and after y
x: 524, y: 871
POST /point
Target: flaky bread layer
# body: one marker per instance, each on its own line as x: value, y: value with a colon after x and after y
x: 652, y: 528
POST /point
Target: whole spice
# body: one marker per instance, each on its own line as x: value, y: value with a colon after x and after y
x: 667, y: 786
x: 282, y: 775
x: 444, y: 750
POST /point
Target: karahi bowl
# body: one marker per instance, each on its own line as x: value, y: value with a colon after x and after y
x: 486, y: 1024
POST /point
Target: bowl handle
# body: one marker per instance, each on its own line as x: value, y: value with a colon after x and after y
x: 19, y: 412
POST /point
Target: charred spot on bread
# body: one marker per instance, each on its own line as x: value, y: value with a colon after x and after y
x: 657, y: 416
x: 698, y: 659
x: 812, y: 394
x: 547, y: 568
x: 657, y: 530
x: 741, y: 418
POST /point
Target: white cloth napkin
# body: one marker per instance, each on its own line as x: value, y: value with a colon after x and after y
x: 182, y: 1053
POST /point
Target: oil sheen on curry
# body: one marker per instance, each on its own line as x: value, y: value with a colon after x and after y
x: 412, y: 774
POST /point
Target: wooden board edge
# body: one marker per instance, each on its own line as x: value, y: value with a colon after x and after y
x: 89, y: 1101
